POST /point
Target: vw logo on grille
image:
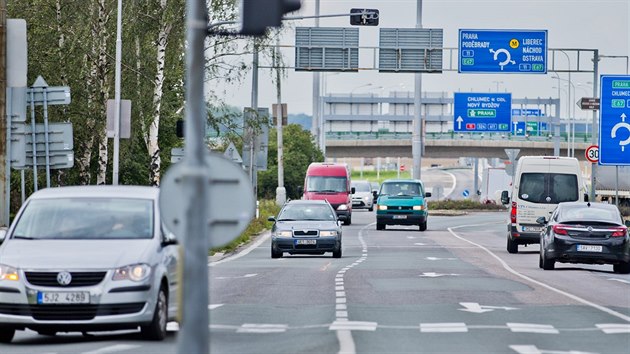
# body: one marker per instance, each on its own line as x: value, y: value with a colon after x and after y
x: 399, y: 208
x: 590, y: 229
x: 64, y: 278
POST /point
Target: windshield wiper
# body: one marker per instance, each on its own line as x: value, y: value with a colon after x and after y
x: 285, y: 220
x: 25, y: 237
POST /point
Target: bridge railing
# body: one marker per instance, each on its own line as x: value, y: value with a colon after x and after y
x: 579, y: 137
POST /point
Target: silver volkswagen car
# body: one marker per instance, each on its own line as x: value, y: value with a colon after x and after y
x: 88, y: 258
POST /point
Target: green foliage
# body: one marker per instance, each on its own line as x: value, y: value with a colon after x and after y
x: 383, y: 175
x: 465, y: 204
x: 299, y: 152
x: 267, y: 208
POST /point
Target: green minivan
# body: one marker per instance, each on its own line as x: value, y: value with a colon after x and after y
x: 402, y: 202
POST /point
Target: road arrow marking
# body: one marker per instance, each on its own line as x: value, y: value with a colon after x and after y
x: 476, y: 308
x: 435, y: 275
x: 459, y: 121
x: 532, y: 349
x: 440, y: 259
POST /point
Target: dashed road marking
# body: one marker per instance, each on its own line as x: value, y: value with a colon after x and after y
x: 353, y: 326
x: 613, y: 328
x: 443, y: 327
x: 532, y: 328
x: 262, y: 328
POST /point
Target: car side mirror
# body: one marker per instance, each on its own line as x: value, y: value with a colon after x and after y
x: 541, y: 220
x: 505, y: 198
x: 3, y: 235
x: 271, y: 218
x: 627, y: 223
x: 353, y: 190
x: 586, y: 197
x: 427, y: 194
x: 375, y: 194
x: 300, y: 190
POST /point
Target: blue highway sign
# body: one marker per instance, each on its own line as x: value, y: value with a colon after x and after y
x: 527, y: 112
x: 614, y: 118
x: 499, y: 51
x: 482, y: 112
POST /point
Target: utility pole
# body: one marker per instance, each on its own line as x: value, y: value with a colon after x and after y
x: 117, y: 94
x: 416, y: 140
x: 253, y: 166
x: 595, y: 125
x: 316, y: 124
x: 5, y: 169
x: 281, y: 192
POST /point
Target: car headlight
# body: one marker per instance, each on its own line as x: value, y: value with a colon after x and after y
x: 418, y: 207
x: 284, y: 234
x: 327, y: 233
x: 134, y: 272
x: 382, y: 207
x: 8, y: 273
x: 342, y: 207
x: 366, y: 198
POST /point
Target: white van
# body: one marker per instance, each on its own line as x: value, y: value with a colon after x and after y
x: 540, y: 183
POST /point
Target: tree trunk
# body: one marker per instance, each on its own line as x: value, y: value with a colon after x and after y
x: 153, y: 147
x: 104, y: 83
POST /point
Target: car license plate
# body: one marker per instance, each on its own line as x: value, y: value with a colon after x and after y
x: 75, y: 297
x: 531, y: 229
x: 305, y: 242
x: 589, y: 248
x: 400, y: 216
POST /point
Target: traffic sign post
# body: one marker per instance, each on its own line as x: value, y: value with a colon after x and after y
x: 614, y: 130
x: 482, y: 112
x: 498, y: 51
x: 589, y: 103
x: 592, y: 153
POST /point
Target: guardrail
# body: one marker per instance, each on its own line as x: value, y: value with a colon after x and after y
x: 579, y: 137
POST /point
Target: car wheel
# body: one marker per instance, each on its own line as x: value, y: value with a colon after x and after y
x: 622, y: 268
x: 512, y: 246
x: 423, y: 226
x: 547, y: 263
x: 380, y: 226
x: 6, y: 334
x: 348, y: 220
x: 337, y: 253
x: 156, y: 330
x: 275, y: 254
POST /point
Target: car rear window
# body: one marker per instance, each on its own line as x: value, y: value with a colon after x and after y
x: 583, y: 213
x: 86, y: 218
x: 548, y: 188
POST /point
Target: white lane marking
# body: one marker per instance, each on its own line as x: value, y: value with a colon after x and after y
x: 244, y: 252
x: 532, y: 328
x: 262, y: 328
x: 448, y: 194
x: 419, y: 244
x: 340, y: 293
x: 476, y: 308
x: 435, y: 275
x: 113, y: 349
x: 339, y: 288
x: 525, y: 277
x: 532, y: 349
x: 251, y: 275
x: 341, y: 314
x: 353, y: 326
x: 340, y: 300
x: 440, y: 259
x: 341, y: 307
x: 443, y: 327
x: 214, y: 306
x: 613, y: 328
x: 346, y: 343
x: 619, y: 280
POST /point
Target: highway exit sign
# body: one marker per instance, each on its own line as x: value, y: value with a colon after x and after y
x: 482, y: 112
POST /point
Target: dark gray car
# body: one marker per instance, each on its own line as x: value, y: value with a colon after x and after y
x: 306, y: 227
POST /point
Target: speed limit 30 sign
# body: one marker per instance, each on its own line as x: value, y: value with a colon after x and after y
x: 592, y: 153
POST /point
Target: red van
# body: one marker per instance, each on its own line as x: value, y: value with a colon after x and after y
x: 331, y: 182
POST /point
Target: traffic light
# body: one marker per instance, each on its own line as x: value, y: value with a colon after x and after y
x: 257, y: 15
x: 364, y: 17
x: 179, y: 128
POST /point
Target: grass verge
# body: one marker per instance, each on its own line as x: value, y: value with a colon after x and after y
x: 256, y: 226
x: 465, y: 204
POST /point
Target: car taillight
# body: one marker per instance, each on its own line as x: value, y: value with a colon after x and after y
x: 560, y: 229
x: 620, y: 231
x: 513, y: 213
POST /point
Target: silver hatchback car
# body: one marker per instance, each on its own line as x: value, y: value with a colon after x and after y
x: 88, y: 258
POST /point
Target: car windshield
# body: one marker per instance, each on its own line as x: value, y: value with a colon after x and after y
x: 401, y: 188
x: 306, y: 212
x: 361, y: 187
x: 86, y: 218
x: 584, y: 213
x: 326, y: 184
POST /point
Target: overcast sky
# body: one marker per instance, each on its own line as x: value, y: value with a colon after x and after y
x: 594, y: 24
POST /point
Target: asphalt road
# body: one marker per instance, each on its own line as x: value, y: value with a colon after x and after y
x: 451, y: 289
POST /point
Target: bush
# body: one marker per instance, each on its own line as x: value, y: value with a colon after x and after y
x: 267, y: 208
x: 465, y: 204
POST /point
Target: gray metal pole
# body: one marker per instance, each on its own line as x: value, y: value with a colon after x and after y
x: 6, y: 212
x: 617, y: 185
x: 5, y: 122
x: 476, y: 179
x: 316, y: 124
x: 281, y: 192
x: 595, y: 127
x: 416, y: 143
x: 193, y: 338
x: 253, y: 168
x: 46, y: 141
x: 117, y: 94
x: 34, y: 141
x: 23, y: 185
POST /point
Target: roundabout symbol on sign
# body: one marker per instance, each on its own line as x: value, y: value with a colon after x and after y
x: 592, y: 153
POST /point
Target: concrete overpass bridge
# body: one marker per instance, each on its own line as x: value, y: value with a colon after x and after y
x: 448, y: 145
